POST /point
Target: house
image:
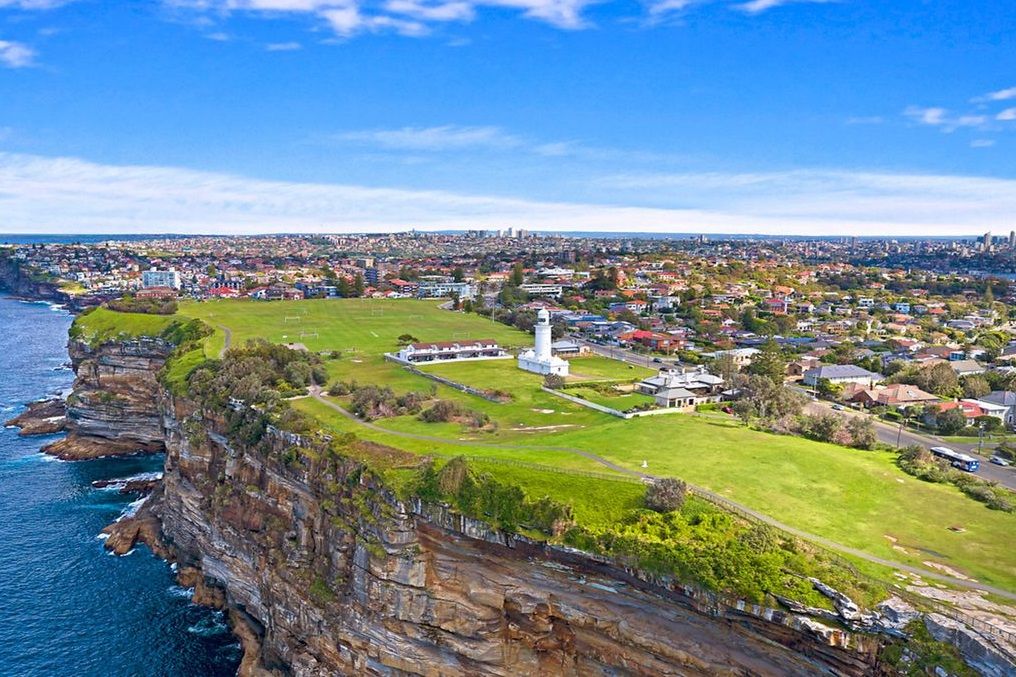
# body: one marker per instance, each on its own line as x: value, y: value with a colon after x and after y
x: 967, y: 367
x: 564, y: 347
x: 672, y: 388
x: 653, y: 340
x: 416, y: 353
x: 796, y: 369
x: 896, y: 395
x: 1005, y: 399
x: 742, y: 356
x: 840, y: 374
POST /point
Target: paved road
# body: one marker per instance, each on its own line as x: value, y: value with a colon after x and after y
x: 621, y: 354
x: 890, y: 433
x: 825, y: 542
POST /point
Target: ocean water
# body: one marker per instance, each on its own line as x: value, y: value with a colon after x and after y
x: 66, y: 606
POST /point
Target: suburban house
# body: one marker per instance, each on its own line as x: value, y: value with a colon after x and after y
x: 1006, y: 400
x: 896, y: 395
x: 673, y: 389
x: 967, y: 367
x: 653, y: 340
x: 416, y: 353
x: 840, y: 374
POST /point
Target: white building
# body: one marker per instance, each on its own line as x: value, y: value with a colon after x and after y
x: 540, y: 359
x: 451, y: 350
x: 160, y: 278
x: 437, y: 290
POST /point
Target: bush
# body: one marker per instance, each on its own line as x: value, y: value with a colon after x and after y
x: 665, y: 495
x: 553, y: 381
x: 132, y: 304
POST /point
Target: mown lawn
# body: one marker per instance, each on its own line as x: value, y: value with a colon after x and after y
x: 367, y: 326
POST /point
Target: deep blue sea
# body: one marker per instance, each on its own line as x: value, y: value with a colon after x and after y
x: 66, y: 606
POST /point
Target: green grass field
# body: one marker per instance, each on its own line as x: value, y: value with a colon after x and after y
x: 856, y: 498
x: 102, y: 324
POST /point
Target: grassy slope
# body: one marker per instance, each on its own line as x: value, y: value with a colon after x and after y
x: 857, y: 498
x: 103, y: 324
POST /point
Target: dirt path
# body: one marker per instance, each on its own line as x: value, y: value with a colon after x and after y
x: 705, y: 493
x: 227, y: 339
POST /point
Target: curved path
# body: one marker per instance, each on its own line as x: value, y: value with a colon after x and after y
x: 705, y: 493
x: 227, y: 339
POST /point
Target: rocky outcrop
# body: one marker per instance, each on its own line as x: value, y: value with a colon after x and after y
x: 16, y: 280
x: 44, y: 417
x: 114, y: 407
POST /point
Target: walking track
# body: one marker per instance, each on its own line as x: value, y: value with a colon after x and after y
x: 705, y: 493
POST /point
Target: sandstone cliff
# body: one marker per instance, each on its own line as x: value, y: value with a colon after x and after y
x: 114, y: 407
x: 14, y: 280
x: 325, y: 571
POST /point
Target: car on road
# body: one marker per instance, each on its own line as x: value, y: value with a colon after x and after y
x: 998, y: 460
x: 838, y: 407
x: 657, y: 360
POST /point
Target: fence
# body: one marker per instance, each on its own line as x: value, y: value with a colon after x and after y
x: 586, y: 403
x: 554, y: 469
x: 461, y: 387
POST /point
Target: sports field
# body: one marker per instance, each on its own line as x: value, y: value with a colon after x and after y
x: 856, y: 498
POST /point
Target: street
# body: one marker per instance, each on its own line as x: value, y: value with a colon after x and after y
x: 889, y: 434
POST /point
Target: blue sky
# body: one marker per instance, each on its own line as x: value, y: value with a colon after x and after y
x: 773, y: 116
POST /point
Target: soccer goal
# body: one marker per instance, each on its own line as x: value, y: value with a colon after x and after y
x: 308, y: 334
x: 377, y: 312
x: 292, y: 318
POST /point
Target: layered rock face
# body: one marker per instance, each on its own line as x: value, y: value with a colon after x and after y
x: 114, y: 408
x: 334, y: 575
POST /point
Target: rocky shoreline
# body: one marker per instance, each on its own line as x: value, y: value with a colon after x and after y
x: 43, y: 417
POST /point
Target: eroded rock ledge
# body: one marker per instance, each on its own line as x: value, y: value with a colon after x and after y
x: 44, y: 417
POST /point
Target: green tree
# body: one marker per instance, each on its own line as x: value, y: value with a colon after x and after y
x: 518, y: 274
x: 975, y: 386
x: 769, y: 362
x: 950, y: 421
x: 938, y: 378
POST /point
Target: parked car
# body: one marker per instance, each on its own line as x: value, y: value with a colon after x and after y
x: 838, y: 407
x: 998, y: 460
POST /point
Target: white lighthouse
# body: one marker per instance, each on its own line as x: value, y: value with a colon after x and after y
x: 539, y: 359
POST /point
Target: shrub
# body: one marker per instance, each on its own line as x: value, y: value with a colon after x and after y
x: 665, y: 495
x: 553, y: 381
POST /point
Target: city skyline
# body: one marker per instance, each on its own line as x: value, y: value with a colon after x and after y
x: 327, y: 116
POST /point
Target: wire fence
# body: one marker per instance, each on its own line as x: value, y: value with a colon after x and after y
x: 629, y: 479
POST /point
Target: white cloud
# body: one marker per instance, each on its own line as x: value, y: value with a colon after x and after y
x: 32, y: 4
x: 348, y: 18
x: 941, y: 118
x: 43, y: 194
x: 1000, y: 95
x: 442, y: 138
x: 283, y: 46
x: 16, y: 54
x: 758, y: 6
x: 982, y: 143
x: 1006, y: 115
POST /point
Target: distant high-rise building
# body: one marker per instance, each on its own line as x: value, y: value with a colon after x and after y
x: 986, y: 241
x: 1012, y: 239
